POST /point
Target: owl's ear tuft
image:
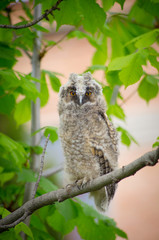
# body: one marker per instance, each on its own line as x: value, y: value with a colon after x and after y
x: 62, y: 92
x: 73, y: 76
x: 87, y: 76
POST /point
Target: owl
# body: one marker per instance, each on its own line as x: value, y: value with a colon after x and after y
x: 88, y: 138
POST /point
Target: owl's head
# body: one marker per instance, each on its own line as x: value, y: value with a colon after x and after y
x: 80, y: 89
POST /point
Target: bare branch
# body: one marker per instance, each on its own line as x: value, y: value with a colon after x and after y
x: 41, y: 167
x: 52, y: 171
x: 130, y: 96
x: 148, y: 159
x: 45, y: 15
x: 114, y: 94
x: 47, y: 48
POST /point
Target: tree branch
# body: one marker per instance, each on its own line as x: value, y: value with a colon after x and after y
x: 45, y: 15
x: 51, y: 171
x: 148, y: 159
x: 41, y: 167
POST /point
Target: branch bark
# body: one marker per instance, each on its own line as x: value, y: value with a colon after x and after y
x: 148, y: 159
x: 45, y: 15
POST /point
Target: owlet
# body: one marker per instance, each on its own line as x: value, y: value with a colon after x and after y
x: 88, y: 138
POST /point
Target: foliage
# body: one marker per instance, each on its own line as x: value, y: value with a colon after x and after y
x: 133, y: 37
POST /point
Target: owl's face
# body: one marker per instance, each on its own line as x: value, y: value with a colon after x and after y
x: 80, y: 89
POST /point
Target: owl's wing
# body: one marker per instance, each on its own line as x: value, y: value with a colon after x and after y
x: 107, y: 164
x: 111, y: 131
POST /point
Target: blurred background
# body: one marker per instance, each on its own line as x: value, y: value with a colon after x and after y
x: 135, y: 206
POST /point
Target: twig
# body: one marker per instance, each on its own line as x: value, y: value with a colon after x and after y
x: 114, y: 94
x: 22, y: 218
x: 28, y: 54
x: 41, y: 167
x: 148, y: 159
x: 126, y: 99
x: 45, y: 15
x: 46, y: 49
x: 52, y: 171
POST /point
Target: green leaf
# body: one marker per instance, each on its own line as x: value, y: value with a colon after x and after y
x: 131, y: 74
x: 44, y: 92
x: 79, y: 35
x: 28, y: 88
x: 68, y: 14
x: 126, y: 137
x: 22, y: 111
x: 27, y: 10
x: 107, y: 4
x: 149, y: 6
x: 8, y: 79
x: 94, y: 230
x: 121, y: 62
x: 94, y: 68
x: 53, y: 133
x: 5, y: 34
x: 7, y: 103
x: 4, y: 212
x: 94, y: 15
x: 50, y: 43
x: 100, y: 56
x: 41, y: 235
x: 154, y: 62
x: 107, y: 92
x: 121, y: 2
x: 112, y: 78
x: 37, y: 223
x: 55, y: 81
x: 22, y: 227
x: 12, y: 150
x: 67, y: 209
x: 156, y: 144
x: 5, y: 177
x: 26, y: 175
x: 147, y: 39
x: 7, y: 57
x: 148, y: 88
x: 141, y: 16
x: 40, y: 28
x: 37, y: 149
x: 91, y: 212
x: 121, y: 233
x: 117, y: 49
x: 8, y: 165
x: 4, y: 3
x: 10, y: 234
x: 116, y: 111
x: 58, y: 222
x: 47, y: 185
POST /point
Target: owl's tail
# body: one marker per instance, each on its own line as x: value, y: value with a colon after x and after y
x: 103, y: 196
x: 101, y: 199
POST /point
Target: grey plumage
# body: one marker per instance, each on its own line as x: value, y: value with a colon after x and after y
x: 88, y: 138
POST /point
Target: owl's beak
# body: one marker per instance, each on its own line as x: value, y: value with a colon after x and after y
x: 80, y: 99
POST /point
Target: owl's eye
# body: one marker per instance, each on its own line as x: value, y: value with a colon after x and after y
x: 72, y: 93
x: 88, y: 93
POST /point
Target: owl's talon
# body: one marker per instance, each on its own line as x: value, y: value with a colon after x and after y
x: 82, y: 182
x: 69, y: 187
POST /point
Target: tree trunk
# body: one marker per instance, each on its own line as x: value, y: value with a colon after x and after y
x: 35, y: 120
